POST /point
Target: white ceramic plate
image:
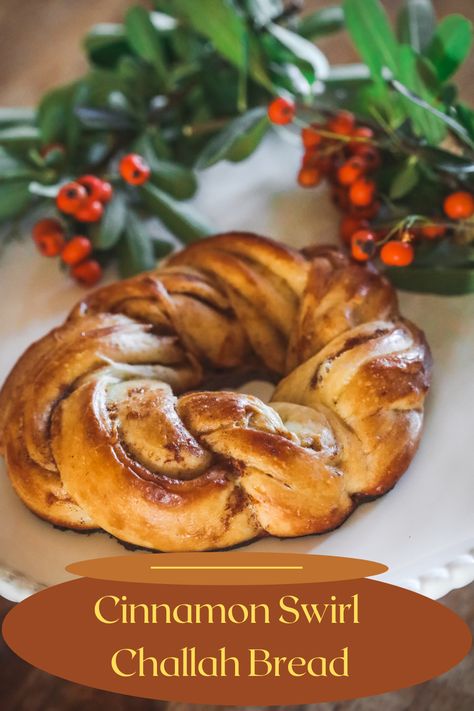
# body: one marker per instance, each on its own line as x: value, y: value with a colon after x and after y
x: 423, y: 530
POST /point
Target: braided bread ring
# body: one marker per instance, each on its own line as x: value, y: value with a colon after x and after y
x: 99, y: 428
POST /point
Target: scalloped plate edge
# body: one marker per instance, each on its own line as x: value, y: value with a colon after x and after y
x: 435, y: 583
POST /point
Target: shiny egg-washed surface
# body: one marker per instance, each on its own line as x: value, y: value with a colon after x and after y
x: 104, y: 422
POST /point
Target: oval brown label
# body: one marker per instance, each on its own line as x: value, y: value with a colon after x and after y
x: 285, y: 643
x: 223, y: 569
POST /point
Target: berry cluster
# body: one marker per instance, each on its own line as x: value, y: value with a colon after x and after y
x: 457, y: 206
x: 348, y: 156
x: 50, y: 238
x: 82, y: 201
x: 84, y: 198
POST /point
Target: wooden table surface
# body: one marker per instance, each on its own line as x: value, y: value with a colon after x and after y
x: 39, y: 48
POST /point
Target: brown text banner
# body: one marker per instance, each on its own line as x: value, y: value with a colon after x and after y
x: 292, y: 641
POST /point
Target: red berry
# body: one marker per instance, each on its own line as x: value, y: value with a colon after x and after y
x: 432, y: 231
x: 106, y: 192
x: 310, y: 158
x: 397, y: 254
x: 363, y: 132
x: 459, y: 205
x: 50, y: 244
x: 88, y: 272
x: 45, y: 226
x: 363, y: 245
x: 91, y: 211
x: 365, y: 213
x: 134, y: 169
x: 92, y: 184
x: 342, y: 123
x: 48, y: 236
x: 340, y: 197
x: 361, y: 192
x: 370, y: 155
x: 281, y: 111
x: 71, y: 197
x: 351, y: 170
x: 309, y: 177
x: 310, y: 137
x: 360, y: 132
x: 76, y: 250
x: 350, y: 224
x: 97, y: 189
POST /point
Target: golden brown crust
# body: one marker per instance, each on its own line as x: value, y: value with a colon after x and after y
x: 96, y: 433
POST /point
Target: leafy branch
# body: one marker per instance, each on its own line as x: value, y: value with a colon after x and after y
x: 183, y: 86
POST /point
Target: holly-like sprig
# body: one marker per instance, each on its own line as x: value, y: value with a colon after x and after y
x: 351, y: 156
x: 396, y: 145
x: 173, y: 91
x: 188, y: 84
x: 83, y: 201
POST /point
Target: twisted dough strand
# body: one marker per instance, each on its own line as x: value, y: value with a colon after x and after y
x: 96, y: 433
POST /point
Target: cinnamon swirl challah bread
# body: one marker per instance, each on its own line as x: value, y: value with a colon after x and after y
x: 109, y: 421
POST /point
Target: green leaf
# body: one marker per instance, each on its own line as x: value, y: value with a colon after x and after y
x: 73, y: 126
x: 372, y: 35
x: 303, y: 50
x: 465, y: 116
x: 14, y: 198
x: 106, y: 43
x: 135, y: 249
x: 146, y: 41
x: 55, y: 119
x: 405, y: 180
x: 248, y: 142
x: 425, y: 123
x: 103, y: 88
x: 97, y: 148
x: 446, y: 162
x: 257, y: 62
x: 454, y: 125
x: 322, y: 22
x: 173, y: 178
x: 52, y: 114
x: 13, y: 169
x: 181, y: 219
x: 444, y: 253
x: 416, y: 24
x: 104, y: 119
x: 153, y: 141
x: 220, y: 22
x: 11, y: 117
x: 450, y: 45
x: 237, y: 140
x: 139, y: 80
x: 288, y: 78
x: 445, y: 281
x: 112, y: 224
x: 161, y: 248
x: 19, y: 136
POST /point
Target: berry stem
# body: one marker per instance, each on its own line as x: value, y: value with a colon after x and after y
x: 199, y: 129
x: 336, y: 136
